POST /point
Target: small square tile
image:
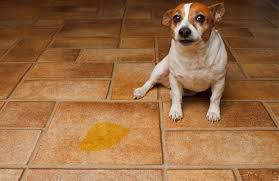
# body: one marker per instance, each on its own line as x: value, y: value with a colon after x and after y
x: 63, y: 89
x: 73, y: 42
x: 10, y: 74
x: 16, y: 146
x: 10, y: 174
x: 26, y: 114
x: 257, y: 55
x: 196, y: 148
x: 233, y: 115
x: 137, y: 43
x: 209, y: 175
x: 27, y: 50
x: 270, y: 71
x: 234, y: 72
x: 60, y: 145
x: 71, y: 70
x: 117, y: 55
x: 59, y: 55
x: 254, y: 90
x: 259, y: 174
x: 98, y: 175
x: 236, y: 32
x: 128, y: 77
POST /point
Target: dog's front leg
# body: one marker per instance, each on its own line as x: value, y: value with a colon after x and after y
x: 176, y: 96
x: 217, y: 89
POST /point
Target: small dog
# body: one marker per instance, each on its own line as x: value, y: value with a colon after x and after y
x: 196, y: 60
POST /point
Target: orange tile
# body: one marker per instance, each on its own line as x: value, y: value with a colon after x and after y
x: 252, y: 43
x: 63, y: 89
x: 117, y: 55
x: 236, y: 32
x: 60, y: 145
x: 16, y: 146
x: 83, y: 42
x: 26, y: 114
x: 222, y: 148
x: 231, y: 57
x: 262, y: 70
x: 256, y: 90
x: 181, y: 175
x: 137, y: 43
x: 38, y: 32
x: 66, y: 175
x: 234, y: 72
x: 243, y: 23
x: 59, y: 55
x: 10, y: 74
x: 275, y: 108
x: 1, y: 104
x: 71, y: 70
x: 233, y: 114
x: 10, y: 174
x: 2, y: 52
x: 27, y: 50
x: 138, y: 13
x: 130, y: 76
x: 257, y: 55
x: 48, y: 23
x: 7, y: 42
x: 259, y: 174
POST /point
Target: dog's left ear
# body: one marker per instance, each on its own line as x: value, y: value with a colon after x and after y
x: 167, y: 17
x: 218, y: 11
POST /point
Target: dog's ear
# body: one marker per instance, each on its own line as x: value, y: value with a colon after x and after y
x: 167, y: 17
x: 218, y: 11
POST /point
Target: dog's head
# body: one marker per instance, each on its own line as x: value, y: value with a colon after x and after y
x: 192, y: 22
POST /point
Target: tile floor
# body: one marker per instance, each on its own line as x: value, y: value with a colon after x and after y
x: 66, y: 65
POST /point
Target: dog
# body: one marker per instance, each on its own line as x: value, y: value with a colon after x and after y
x: 196, y: 60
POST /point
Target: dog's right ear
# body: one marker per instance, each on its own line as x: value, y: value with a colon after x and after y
x: 167, y: 17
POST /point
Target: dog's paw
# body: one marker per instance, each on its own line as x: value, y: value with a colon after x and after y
x: 175, y: 114
x: 213, y: 116
x: 138, y: 93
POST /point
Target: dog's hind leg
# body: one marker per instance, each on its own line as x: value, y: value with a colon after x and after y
x: 160, y: 74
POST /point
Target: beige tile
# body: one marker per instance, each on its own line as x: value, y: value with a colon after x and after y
x: 236, y: 32
x: 262, y: 70
x: 117, y: 55
x: 97, y: 175
x: 256, y: 90
x: 83, y: 42
x: 137, y: 43
x: 10, y: 74
x: 208, y: 175
x: 60, y: 145
x: 275, y: 108
x: 71, y: 70
x: 26, y: 114
x: 59, y: 55
x: 259, y: 174
x: 130, y: 76
x: 234, y: 72
x: 10, y: 174
x: 16, y: 146
x: 257, y: 55
x: 217, y: 148
x: 27, y: 50
x: 64, y: 89
x: 233, y: 115
x: 253, y: 43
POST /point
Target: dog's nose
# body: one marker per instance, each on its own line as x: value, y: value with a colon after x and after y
x: 184, y: 32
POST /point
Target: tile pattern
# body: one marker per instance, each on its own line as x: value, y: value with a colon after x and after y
x: 65, y: 65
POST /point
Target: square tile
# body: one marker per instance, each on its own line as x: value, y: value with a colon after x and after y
x: 60, y: 145
x: 97, y: 175
x: 10, y: 174
x: 130, y: 76
x: 117, y: 55
x: 71, y: 70
x: 26, y: 114
x: 257, y: 55
x: 16, y: 146
x: 27, y: 50
x: 101, y: 28
x: 73, y: 42
x: 137, y: 43
x: 254, y: 90
x: 10, y: 75
x: 236, y: 32
x: 270, y: 71
x: 259, y: 174
x: 210, y: 175
x: 199, y: 148
x: 61, y: 90
x: 233, y: 115
x: 59, y: 55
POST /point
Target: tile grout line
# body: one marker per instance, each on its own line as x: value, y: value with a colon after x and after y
x: 271, y: 114
x: 8, y: 50
x: 111, y: 84
x: 236, y: 174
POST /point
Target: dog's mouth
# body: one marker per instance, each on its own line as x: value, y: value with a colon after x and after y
x: 186, y: 41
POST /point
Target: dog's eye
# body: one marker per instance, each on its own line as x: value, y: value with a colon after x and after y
x: 176, y: 18
x: 200, y: 18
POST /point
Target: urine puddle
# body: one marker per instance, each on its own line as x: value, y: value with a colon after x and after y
x: 102, y: 136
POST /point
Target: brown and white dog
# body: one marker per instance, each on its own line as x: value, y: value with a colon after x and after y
x: 196, y: 60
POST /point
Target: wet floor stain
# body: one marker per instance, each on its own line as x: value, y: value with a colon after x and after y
x: 103, y: 136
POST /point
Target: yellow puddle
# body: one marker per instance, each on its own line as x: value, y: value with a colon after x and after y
x: 102, y: 136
